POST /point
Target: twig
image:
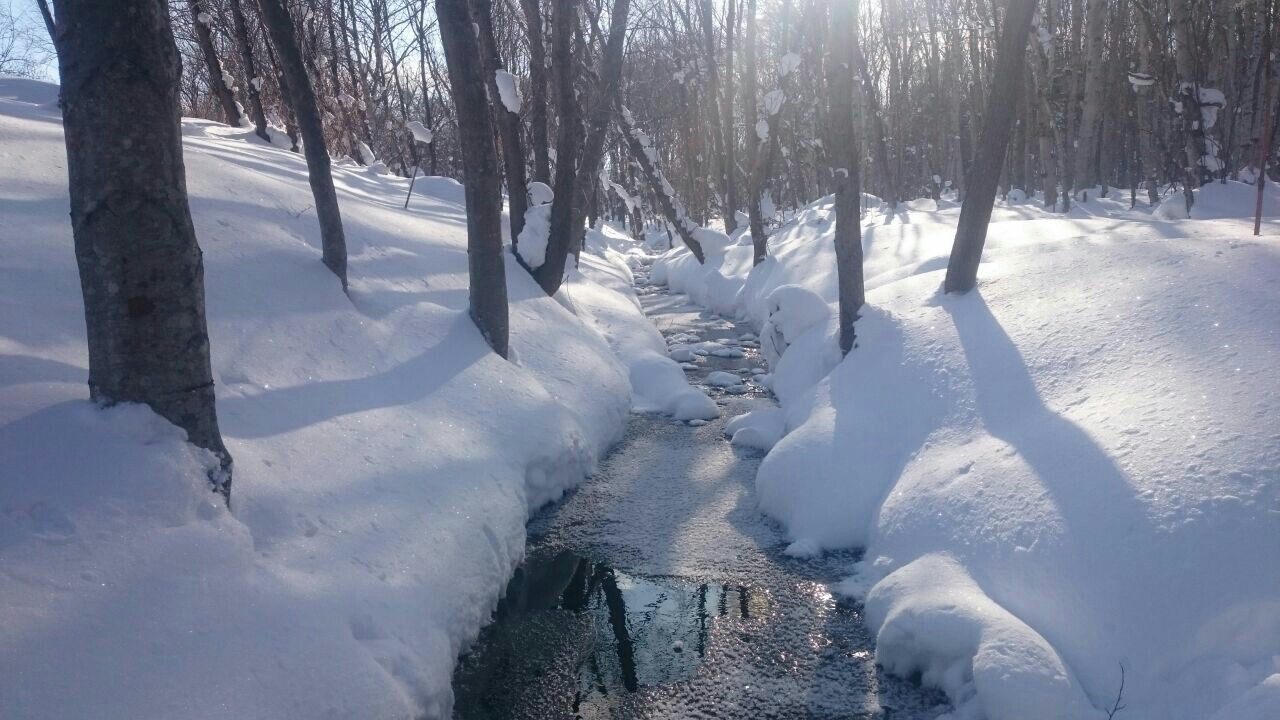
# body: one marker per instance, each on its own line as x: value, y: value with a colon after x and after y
x: 1117, y: 706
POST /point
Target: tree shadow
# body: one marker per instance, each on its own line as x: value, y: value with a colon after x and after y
x: 279, y: 411
x: 1090, y: 491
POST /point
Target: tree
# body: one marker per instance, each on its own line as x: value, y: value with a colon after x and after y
x: 844, y: 160
x: 537, y: 91
x: 1091, y: 110
x: 219, y: 82
x: 598, y: 119
x: 483, y: 190
x: 141, y: 271
x: 975, y: 213
x: 303, y: 99
x: 252, y: 81
x: 509, y: 128
x: 564, y: 23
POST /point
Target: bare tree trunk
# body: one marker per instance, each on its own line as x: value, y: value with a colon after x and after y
x: 1142, y: 98
x: 332, y: 239
x: 975, y: 214
x: 48, y: 21
x: 726, y: 117
x: 598, y: 120
x: 1091, y: 111
x: 568, y: 147
x: 643, y: 153
x: 200, y: 22
x: 845, y: 157
x: 718, y: 139
x: 537, y: 91
x: 509, y: 128
x: 1188, y: 96
x: 488, y: 295
x: 141, y: 271
x: 252, y: 81
x: 756, y: 146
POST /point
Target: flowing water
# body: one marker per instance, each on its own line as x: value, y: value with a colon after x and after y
x: 658, y: 590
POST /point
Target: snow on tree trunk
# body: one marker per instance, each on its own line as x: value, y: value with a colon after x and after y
x: 141, y: 271
x: 483, y: 187
x: 253, y: 83
x: 332, y: 239
x: 975, y: 213
x: 218, y: 83
x: 646, y: 157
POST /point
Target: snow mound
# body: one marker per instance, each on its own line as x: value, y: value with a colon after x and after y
x: 386, y: 460
x: 1088, y: 439
x: 934, y: 620
x: 535, y: 235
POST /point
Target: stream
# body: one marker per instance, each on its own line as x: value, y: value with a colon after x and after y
x: 658, y: 590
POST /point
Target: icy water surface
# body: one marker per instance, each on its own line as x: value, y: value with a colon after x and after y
x: 657, y: 590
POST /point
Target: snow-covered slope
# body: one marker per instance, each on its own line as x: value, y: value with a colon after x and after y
x: 1072, y: 469
x: 386, y: 461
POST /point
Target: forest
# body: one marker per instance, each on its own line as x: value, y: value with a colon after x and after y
x: 640, y: 358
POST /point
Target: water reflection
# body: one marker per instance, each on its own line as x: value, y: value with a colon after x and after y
x: 566, y: 618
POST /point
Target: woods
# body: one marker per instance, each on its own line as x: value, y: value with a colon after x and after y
x: 680, y: 115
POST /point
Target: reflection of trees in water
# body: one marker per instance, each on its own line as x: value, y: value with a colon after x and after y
x: 642, y: 630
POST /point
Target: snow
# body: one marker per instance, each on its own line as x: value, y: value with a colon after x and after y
x: 508, y: 90
x: 540, y: 193
x: 773, y: 101
x: 788, y: 64
x: 534, y: 236
x: 602, y: 287
x: 1073, y: 468
x: 386, y: 460
x: 421, y: 133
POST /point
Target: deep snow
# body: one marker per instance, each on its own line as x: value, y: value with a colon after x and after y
x: 1072, y: 469
x: 386, y: 461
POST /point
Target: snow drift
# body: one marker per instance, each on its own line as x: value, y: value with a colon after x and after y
x: 386, y: 460
x: 1073, y: 469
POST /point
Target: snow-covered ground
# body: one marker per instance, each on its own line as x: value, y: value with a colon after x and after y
x: 386, y: 461
x: 1072, y: 470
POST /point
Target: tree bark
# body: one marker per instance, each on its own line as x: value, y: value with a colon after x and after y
x: 488, y: 290
x: 537, y: 92
x: 509, y: 128
x: 49, y: 24
x: 253, y: 81
x: 217, y: 80
x: 141, y: 270
x: 643, y: 153
x: 975, y: 213
x: 568, y: 147
x: 598, y: 120
x: 1091, y: 111
x: 1188, y: 96
x: 332, y: 239
x: 844, y: 158
x: 718, y: 139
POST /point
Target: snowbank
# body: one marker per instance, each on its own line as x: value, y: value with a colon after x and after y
x: 602, y: 288
x: 386, y: 461
x: 1072, y: 469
